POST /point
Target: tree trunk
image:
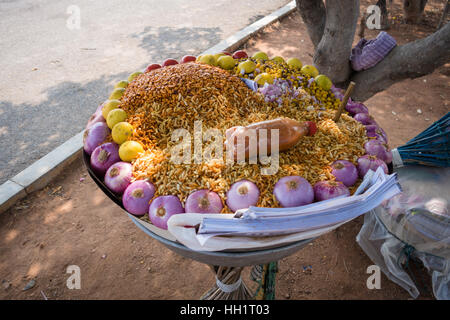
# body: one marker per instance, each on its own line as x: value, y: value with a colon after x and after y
x: 333, y: 51
x: 412, y: 60
x: 413, y: 9
x: 384, y: 14
x: 332, y: 29
x: 444, y: 15
x: 313, y: 14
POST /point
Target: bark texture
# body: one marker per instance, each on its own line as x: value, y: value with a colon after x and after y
x: 333, y: 51
x: 313, y: 14
x: 331, y: 29
x: 413, y: 10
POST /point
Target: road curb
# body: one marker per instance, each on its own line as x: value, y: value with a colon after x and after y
x: 41, y: 172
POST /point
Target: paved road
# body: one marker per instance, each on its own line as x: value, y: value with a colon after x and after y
x: 53, y: 75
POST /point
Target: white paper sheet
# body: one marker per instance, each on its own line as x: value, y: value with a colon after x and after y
x: 257, y: 228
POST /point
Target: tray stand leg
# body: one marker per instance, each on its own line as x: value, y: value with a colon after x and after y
x: 229, y: 285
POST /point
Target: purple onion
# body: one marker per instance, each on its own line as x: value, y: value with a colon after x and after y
x: 118, y: 177
x: 376, y: 148
x: 356, y: 107
x: 97, y: 116
x: 367, y: 162
x: 162, y: 208
x: 338, y: 92
x: 339, y: 95
x: 293, y: 191
x: 324, y: 190
x: 95, y: 136
x: 345, y: 172
x: 335, y: 90
x: 364, y: 118
x: 203, y: 201
x: 137, y: 196
x: 274, y: 92
x: 103, y: 157
x: 242, y: 194
x: 374, y: 131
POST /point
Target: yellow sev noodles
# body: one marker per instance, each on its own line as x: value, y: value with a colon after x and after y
x: 173, y: 97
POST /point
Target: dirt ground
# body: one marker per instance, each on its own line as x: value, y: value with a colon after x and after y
x: 71, y: 222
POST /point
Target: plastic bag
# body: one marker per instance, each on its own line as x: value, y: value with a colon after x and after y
x: 416, y: 219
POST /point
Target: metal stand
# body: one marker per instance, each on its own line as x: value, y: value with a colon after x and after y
x: 227, y: 267
x: 229, y: 285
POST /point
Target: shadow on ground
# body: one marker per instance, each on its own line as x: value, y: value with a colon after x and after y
x: 166, y: 42
x: 29, y: 131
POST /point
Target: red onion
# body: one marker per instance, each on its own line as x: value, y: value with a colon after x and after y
x: 364, y: 118
x: 118, y: 177
x: 103, y: 157
x: 293, y: 191
x: 374, y: 131
x: 345, y: 172
x: 242, y: 194
x: 356, y: 107
x: 95, y: 136
x: 376, y: 148
x: 367, y: 162
x: 162, y: 208
x: 137, y: 196
x: 203, y: 201
x: 324, y: 190
x: 335, y: 90
x: 97, y: 116
x: 338, y: 93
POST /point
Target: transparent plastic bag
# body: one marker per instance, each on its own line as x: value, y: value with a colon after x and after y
x: 418, y: 218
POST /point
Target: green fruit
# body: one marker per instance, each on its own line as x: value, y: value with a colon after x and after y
x: 310, y: 70
x: 121, y: 84
x: 108, y: 106
x: 117, y: 94
x: 246, y: 66
x: 294, y: 62
x: 264, y: 77
x: 278, y: 59
x: 226, y: 62
x: 260, y: 56
x: 121, y: 132
x: 115, y: 116
x: 323, y: 82
x: 129, y: 150
x: 133, y: 76
x: 207, y: 59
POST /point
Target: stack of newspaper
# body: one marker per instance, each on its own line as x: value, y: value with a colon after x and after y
x: 264, y: 222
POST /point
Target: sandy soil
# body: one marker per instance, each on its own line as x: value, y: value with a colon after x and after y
x: 71, y: 222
